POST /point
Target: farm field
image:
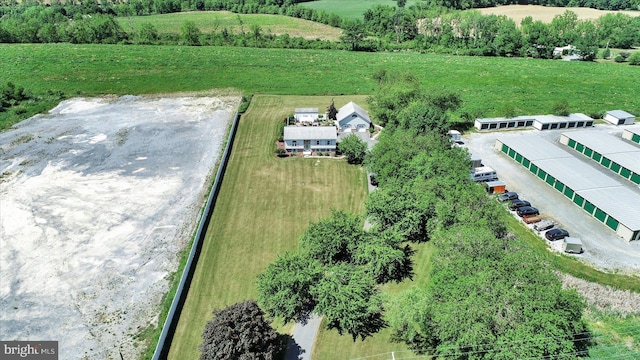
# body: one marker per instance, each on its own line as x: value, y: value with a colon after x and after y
x: 215, y: 21
x: 350, y: 8
x: 265, y: 204
x: 547, y: 13
x: 528, y: 86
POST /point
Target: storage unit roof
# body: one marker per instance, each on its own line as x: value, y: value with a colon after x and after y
x: 633, y: 129
x: 601, y: 142
x: 576, y: 174
x: 620, y: 203
x: 307, y: 110
x: 310, y: 133
x: 533, y: 147
x: 620, y: 114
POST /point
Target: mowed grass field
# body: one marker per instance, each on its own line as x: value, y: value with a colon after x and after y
x: 265, y: 204
x: 350, y: 8
x: 488, y: 86
x: 215, y: 21
x: 547, y: 13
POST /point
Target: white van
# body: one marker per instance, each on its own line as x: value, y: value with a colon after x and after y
x: 483, y: 173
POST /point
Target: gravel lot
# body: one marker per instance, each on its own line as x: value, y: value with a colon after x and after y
x: 603, y: 248
x: 96, y: 199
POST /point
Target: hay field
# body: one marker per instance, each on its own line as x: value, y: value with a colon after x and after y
x: 547, y: 13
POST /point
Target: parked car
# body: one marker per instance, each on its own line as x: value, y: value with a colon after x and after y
x: 556, y: 234
x: 543, y: 225
x: 527, y: 210
x: 373, y: 180
x: 532, y: 219
x: 517, y: 203
x: 509, y: 195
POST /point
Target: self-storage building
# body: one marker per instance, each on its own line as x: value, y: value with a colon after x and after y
x: 598, y: 194
x: 607, y: 150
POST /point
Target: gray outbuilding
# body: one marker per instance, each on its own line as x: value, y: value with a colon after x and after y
x: 632, y: 134
x: 619, y: 117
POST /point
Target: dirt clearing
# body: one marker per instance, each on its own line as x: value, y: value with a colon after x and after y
x: 96, y: 199
x: 547, y: 13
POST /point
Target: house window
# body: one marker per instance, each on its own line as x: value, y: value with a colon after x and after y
x: 294, y: 143
x: 317, y: 142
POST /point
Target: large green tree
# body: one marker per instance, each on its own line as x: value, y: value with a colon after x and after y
x: 353, y: 148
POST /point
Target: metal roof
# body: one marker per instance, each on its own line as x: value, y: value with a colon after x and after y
x: 576, y: 174
x: 351, y: 108
x: 633, y: 129
x: 533, y: 147
x: 579, y: 117
x: 621, y: 203
x: 620, y: 114
x: 307, y: 110
x: 599, y: 188
x: 549, y: 119
x: 310, y: 133
x: 601, y: 142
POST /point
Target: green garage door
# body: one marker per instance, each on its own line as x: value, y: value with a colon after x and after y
x: 559, y: 186
x: 605, y: 162
x: 519, y: 158
x: 505, y: 149
x: 533, y: 169
x: 612, y: 223
x: 588, y: 152
x: 512, y: 153
x: 541, y: 174
x: 526, y: 162
x: 615, y: 167
x: 579, y: 147
x: 596, y: 156
x: 588, y: 207
x: 600, y: 215
x: 572, y: 143
x: 568, y: 192
x: 635, y: 138
x: 625, y: 172
x: 635, y: 178
x: 579, y: 200
x: 550, y: 180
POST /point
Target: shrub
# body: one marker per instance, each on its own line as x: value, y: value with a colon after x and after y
x: 625, y: 54
x: 606, y: 53
x: 634, y: 59
x: 618, y: 59
x: 281, y: 152
x: 561, y: 108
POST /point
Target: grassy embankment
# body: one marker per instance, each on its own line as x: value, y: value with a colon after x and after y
x: 265, y: 204
x: 532, y: 86
x: 215, y: 21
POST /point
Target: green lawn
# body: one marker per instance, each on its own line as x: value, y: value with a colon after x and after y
x: 350, y: 8
x: 215, y: 21
x: 487, y: 85
x: 265, y: 204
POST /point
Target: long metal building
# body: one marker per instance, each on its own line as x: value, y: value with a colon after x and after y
x: 632, y: 134
x: 598, y: 194
x: 607, y: 150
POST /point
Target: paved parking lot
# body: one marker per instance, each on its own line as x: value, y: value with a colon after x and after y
x: 603, y: 248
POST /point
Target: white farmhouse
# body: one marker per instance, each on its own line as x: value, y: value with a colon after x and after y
x: 310, y: 138
x: 352, y: 118
x: 306, y: 115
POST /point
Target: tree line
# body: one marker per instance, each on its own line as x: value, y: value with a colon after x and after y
x: 421, y: 27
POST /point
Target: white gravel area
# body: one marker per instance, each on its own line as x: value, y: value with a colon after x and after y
x: 96, y: 200
x: 603, y: 249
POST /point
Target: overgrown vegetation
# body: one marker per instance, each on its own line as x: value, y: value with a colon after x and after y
x: 17, y: 103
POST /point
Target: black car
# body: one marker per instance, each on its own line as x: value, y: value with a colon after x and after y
x: 373, y: 180
x: 517, y: 203
x: 556, y: 234
x: 527, y: 210
x: 509, y: 195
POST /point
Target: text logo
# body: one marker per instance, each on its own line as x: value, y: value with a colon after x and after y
x: 29, y: 350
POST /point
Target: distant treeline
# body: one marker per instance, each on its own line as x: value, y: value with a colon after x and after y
x: 421, y: 27
x: 595, y: 4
